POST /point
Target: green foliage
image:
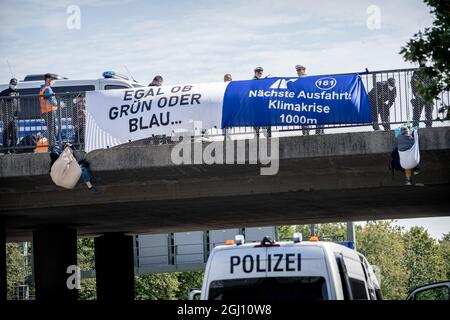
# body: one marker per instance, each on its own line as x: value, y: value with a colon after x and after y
x: 187, y: 281
x: 304, y: 229
x: 381, y: 243
x: 433, y: 44
x: 423, y: 258
x: 86, y: 262
x: 15, y: 273
x: 156, y: 286
x: 88, y: 290
x: 332, y: 231
x: 444, y: 245
x: 285, y: 233
x: 86, y: 254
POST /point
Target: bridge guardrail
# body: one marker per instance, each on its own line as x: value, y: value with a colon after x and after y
x: 393, y: 97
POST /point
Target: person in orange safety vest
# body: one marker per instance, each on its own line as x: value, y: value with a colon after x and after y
x: 49, y: 107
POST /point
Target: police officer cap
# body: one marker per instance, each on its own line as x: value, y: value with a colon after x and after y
x: 299, y: 67
x: 13, y: 81
x: 259, y: 69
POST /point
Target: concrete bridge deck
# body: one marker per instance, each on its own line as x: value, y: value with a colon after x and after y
x: 333, y: 177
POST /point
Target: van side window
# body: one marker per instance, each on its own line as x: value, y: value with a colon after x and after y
x: 73, y: 89
x: 343, y: 275
x: 358, y: 289
x: 114, y: 87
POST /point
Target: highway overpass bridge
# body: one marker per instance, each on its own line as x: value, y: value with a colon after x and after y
x: 321, y: 178
x: 335, y: 177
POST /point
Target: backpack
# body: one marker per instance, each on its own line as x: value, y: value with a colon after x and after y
x: 394, y: 162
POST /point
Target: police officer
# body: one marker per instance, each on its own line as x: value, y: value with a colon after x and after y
x: 420, y: 102
x: 258, y: 73
x: 49, y: 107
x: 9, y: 107
x: 301, y: 70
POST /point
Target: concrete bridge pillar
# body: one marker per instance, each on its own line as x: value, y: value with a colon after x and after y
x: 54, y: 250
x: 114, y: 267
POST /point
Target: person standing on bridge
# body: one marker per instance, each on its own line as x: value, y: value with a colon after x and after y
x: 49, y: 107
x: 301, y: 72
x: 381, y: 99
x: 227, y: 77
x: 9, y: 107
x: 258, y: 72
x: 157, y: 81
x: 419, y: 80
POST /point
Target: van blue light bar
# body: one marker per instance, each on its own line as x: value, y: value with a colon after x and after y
x: 348, y: 244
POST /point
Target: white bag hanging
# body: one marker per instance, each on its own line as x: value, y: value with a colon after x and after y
x: 66, y: 171
x: 409, y: 159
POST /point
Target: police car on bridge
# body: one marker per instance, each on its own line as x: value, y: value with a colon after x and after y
x: 295, y: 270
x: 29, y: 117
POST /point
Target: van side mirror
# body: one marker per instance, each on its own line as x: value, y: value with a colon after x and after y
x: 194, y: 294
x: 434, y: 291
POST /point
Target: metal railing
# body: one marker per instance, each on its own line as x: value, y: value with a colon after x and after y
x: 24, y: 129
x: 393, y: 97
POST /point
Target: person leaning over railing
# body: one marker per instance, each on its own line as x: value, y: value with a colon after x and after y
x: 49, y: 106
x: 381, y: 99
x: 9, y: 107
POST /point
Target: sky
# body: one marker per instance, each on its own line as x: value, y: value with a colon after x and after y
x: 200, y: 41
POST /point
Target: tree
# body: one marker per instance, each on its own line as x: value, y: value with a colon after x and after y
x: 86, y: 262
x: 156, y: 286
x: 285, y: 232
x: 332, y: 231
x: 381, y: 243
x: 433, y: 44
x: 187, y: 281
x: 422, y: 258
x: 444, y: 246
x: 15, y: 273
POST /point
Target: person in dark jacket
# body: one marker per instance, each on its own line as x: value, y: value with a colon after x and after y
x: 381, y: 99
x: 9, y: 108
x: 405, y: 141
x: 157, y: 81
x: 258, y: 73
x: 86, y: 172
x: 419, y: 102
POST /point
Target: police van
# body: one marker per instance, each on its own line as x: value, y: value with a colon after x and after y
x: 295, y: 270
x: 29, y: 116
x: 30, y: 85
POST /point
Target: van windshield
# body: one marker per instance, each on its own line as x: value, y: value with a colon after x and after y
x: 281, y: 288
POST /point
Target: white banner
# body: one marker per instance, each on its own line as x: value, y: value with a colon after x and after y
x: 114, y: 117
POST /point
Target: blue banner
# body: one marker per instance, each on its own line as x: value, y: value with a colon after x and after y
x: 308, y: 100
